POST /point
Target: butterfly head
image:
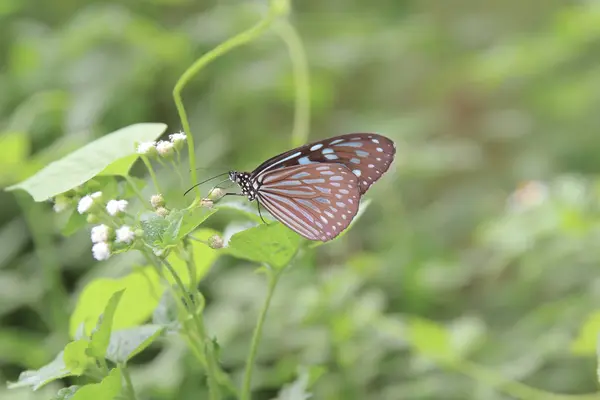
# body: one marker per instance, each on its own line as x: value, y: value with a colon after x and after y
x: 243, y: 180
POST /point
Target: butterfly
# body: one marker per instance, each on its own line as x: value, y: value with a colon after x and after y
x: 315, y: 189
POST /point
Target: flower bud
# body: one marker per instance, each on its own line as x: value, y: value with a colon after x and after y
x: 206, y: 203
x: 215, y: 242
x: 157, y: 201
x: 216, y: 194
x: 163, y: 212
x: 61, y: 203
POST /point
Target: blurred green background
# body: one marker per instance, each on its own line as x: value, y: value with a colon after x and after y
x: 479, y: 96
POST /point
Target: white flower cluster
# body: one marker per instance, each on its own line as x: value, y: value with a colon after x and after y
x: 163, y: 147
x: 102, y: 235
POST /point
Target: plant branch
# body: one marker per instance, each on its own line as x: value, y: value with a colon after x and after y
x: 236, y: 41
x: 151, y: 172
x: 273, y: 277
x: 290, y: 36
x: 128, y: 383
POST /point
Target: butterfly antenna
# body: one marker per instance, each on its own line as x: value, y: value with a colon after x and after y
x: 209, y: 179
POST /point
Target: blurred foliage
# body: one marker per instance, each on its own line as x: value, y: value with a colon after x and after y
x: 455, y: 259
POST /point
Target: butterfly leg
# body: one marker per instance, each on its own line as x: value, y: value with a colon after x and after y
x: 260, y: 215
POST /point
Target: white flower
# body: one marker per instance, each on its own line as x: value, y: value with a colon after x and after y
x: 100, y: 233
x: 115, y: 207
x: 86, y: 202
x: 146, y: 148
x: 178, y: 137
x: 157, y: 200
x: 164, y: 148
x: 125, y: 235
x: 101, y: 251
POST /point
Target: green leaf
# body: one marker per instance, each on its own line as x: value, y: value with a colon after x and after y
x: 120, y: 167
x: 361, y: 209
x: 171, y: 233
x: 75, y: 222
x: 144, y: 290
x: 141, y: 296
x: 85, y: 163
x: 194, y: 218
x: 586, y: 342
x: 126, y: 343
x: 154, y: 227
x: 101, y: 336
x: 66, y: 393
x: 48, y: 373
x: 108, y: 389
x: 75, y: 356
x: 274, y: 244
x: 245, y: 208
x: 299, y: 389
x: 430, y: 339
x: 165, y: 314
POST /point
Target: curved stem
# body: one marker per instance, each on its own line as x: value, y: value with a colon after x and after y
x: 256, y: 336
x: 238, y: 40
x: 128, y: 383
x: 151, y: 172
x: 290, y: 36
x: 137, y: 192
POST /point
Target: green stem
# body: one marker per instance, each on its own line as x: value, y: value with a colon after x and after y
x: 137, y: 192
x: 128, y: 382
x: 174, y: 165
x: 290, y: 36
x: 256, y: 336
x: 211, y: 362
x: 236, y: 41
x: 190, y: 264
x: 103, y: 366
x: 152, y: 174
